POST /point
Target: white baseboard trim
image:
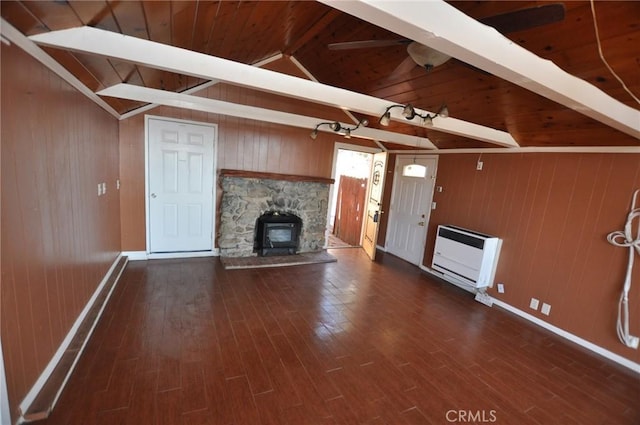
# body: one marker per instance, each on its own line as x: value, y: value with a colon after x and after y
x: 169, y: 255
x: 635, y: 367
x: 143, y: 255
x: 46, y: 373
x: 135, y: 255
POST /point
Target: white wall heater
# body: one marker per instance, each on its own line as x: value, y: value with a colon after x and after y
x: 466, y: 256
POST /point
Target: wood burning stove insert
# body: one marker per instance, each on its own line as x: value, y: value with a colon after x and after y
x: 277, y: 233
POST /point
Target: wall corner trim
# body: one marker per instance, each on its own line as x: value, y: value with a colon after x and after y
x: 30, y: 407
x: 5, y: 411
x: 635, y: 367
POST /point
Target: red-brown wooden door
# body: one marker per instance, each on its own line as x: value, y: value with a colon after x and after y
x: 349, y: 209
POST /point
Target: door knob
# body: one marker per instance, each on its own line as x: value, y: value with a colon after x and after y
x: 153, y: 195
x: 421, y: 223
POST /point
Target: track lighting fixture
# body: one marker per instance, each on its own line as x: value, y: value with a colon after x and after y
x: 409, y: 112
x: 337, y: 127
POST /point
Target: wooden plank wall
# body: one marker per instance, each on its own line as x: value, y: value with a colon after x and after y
x: 243, y: 144
x: 553, y: 212
x: 58, y: 237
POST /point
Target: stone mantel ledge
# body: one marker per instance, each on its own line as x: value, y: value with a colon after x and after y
x: 274, y: 176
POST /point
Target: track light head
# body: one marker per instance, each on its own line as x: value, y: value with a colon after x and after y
x: 408, y: 112
x: 385, y: 118
x: 336, y: 126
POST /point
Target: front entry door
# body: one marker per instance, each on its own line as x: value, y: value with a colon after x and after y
x: 180, y: 186
x: 374, y: 204
x: 410, y: 207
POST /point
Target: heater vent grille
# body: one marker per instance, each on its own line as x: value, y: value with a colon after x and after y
x: 466, y: 256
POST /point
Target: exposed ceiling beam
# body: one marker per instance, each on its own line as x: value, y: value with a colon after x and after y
x: 195, y: 89
x: 180, y: 100
x: 16, y: 37
x: 308, y: 73
x: 541, y: 149
x: 303, y: 68
x: 182, y: 61
x: 446, y: 29
x: 151, y: 106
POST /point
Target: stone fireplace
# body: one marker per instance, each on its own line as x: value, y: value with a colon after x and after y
x: 247, y: 195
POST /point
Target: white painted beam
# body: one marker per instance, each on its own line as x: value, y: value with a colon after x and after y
x: 197, y: 88
x: 180, y: 100
x: 541, y: 149
x: 17, y: 38
x: 309, y: 75
x: 151, y: 106
x: 446, y: 29
x: 182, y: 61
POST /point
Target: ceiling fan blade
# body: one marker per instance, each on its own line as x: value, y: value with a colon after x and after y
x: 404, y: 67
x: 364, y: 44
x: 525, y: 19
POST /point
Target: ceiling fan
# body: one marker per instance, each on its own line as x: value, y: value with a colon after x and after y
x: 429, y: 58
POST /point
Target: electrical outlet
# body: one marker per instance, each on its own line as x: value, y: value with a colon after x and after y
x: 438, y: 188
x: 479, y: 165
x: 500, y: 288
x: 534, y: 303
x: 546, y: 309
x: 99, y: 189
x: 104, y: 188
x: 484, y: 298
x: 635, y: 341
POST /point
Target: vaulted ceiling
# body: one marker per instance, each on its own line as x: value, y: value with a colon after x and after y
x: 249, y: 32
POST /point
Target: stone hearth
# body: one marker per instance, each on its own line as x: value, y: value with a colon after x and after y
x: 247, y: 195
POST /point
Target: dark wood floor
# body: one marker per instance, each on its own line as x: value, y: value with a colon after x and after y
x: 352, y: 342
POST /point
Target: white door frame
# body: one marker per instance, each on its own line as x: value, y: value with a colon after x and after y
x: 214, y: 250
x: 336, y: 147
x: 430, y: 201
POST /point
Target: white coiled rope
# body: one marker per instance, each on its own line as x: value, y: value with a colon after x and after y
x: 626, y: 239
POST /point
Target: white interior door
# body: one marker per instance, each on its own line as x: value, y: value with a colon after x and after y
x: 374, y: 204
x: 410, y: 207
x: 180, y: 186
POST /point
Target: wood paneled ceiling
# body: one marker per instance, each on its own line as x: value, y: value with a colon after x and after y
x: 251, y: 31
